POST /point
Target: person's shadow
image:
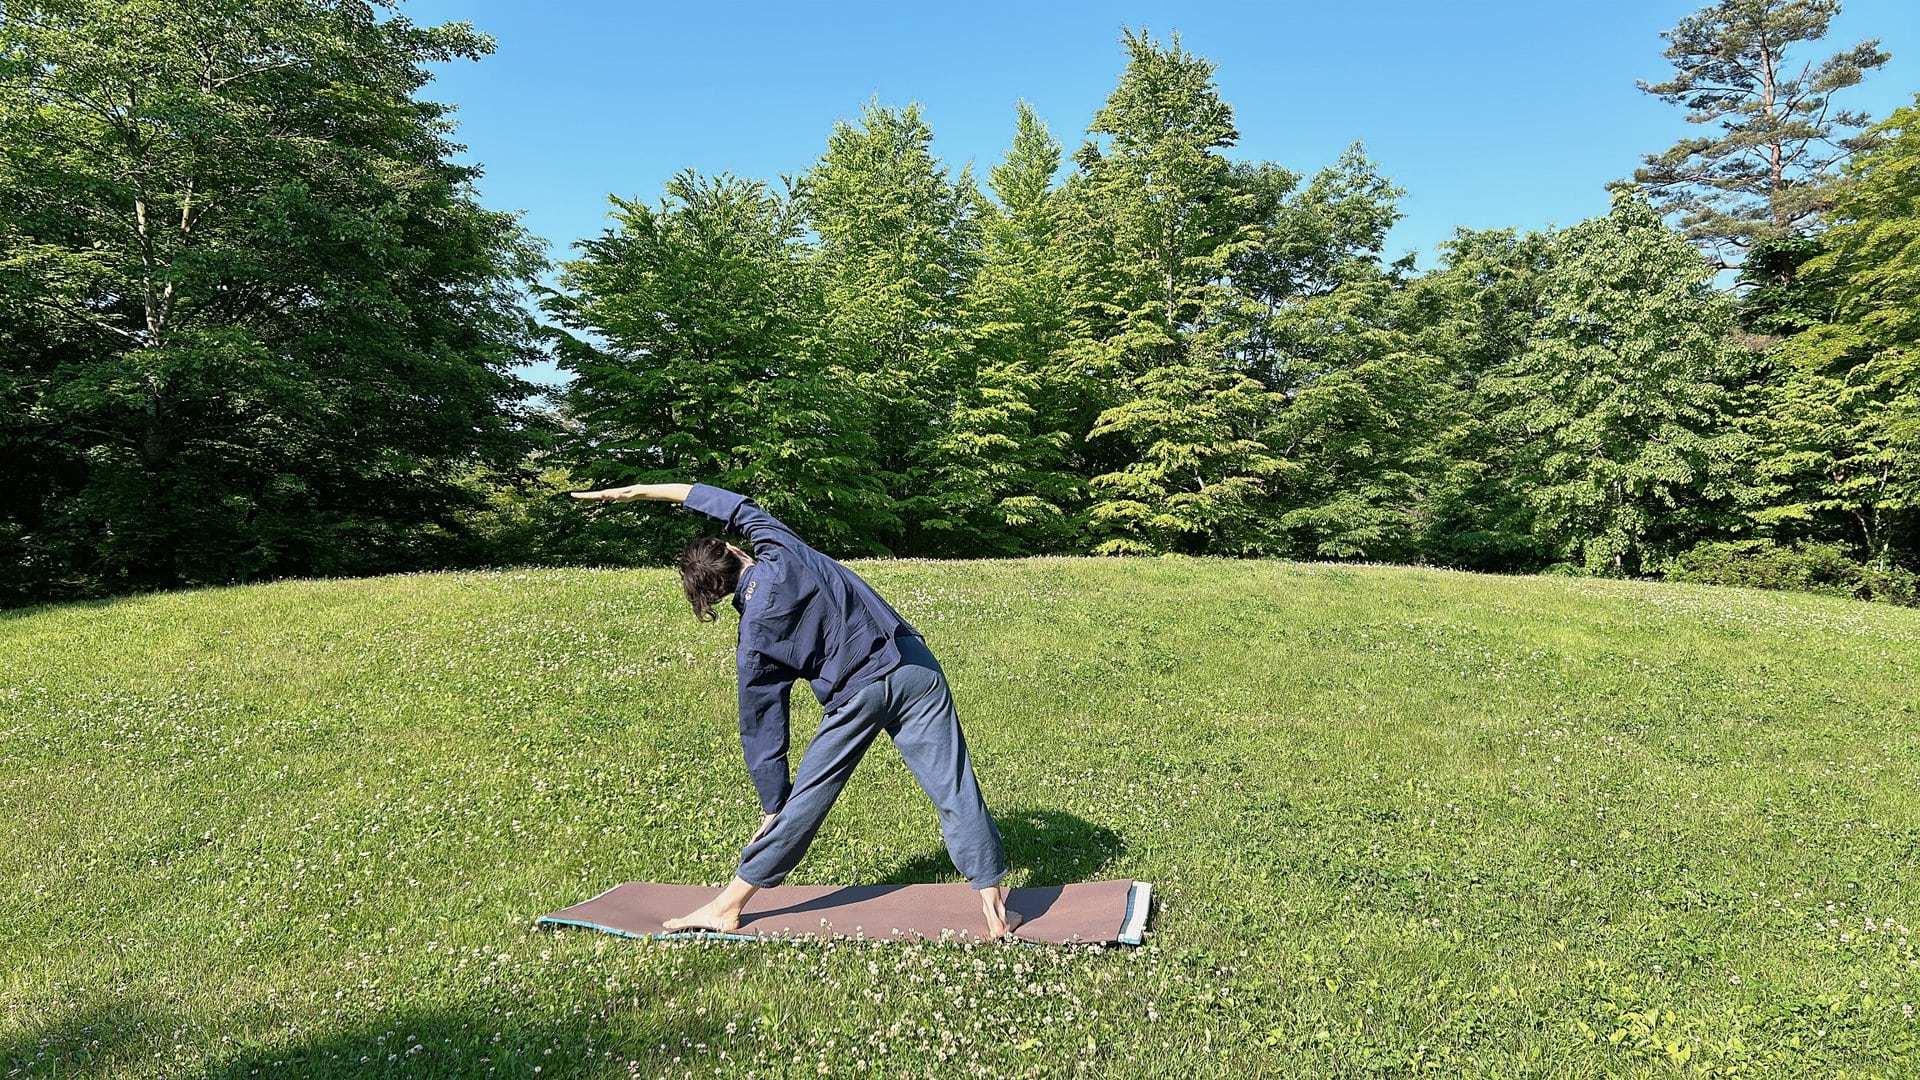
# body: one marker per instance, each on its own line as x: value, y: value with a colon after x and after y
x: 1053, y: 847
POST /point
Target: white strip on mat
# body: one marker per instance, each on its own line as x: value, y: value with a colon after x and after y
x: 1139, y: 898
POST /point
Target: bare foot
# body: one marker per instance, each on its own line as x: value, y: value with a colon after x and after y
x: 710, y: 917
x: 1000, y: 922
x: 721, y: 914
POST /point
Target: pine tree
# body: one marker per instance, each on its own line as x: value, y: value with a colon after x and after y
x: 1766, y: 172
x: 999, y: 479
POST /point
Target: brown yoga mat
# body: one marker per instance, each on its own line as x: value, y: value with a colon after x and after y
x: 1098, y: 911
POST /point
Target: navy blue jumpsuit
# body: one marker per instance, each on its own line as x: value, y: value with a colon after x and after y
x: 805, y: 616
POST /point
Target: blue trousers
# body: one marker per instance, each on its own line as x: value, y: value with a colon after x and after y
x: 912, y: 705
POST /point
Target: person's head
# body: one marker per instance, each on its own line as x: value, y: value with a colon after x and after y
x: 709, y: 571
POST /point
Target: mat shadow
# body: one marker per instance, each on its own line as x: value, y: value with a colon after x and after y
x: 1052, y: 846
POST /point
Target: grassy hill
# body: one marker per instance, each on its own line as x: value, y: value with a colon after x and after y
x: 1401, y: 821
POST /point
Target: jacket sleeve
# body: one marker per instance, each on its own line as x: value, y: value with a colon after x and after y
x: 764, y: 704
x: 740, y: 515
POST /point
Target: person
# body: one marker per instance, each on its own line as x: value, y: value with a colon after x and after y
x: 804, y: 615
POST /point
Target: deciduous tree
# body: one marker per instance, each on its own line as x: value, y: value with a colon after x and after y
x: 1000, y: 463
x: 267, y: 322
x: 697, y: 356
x: 1842, y: 432
x: 899, y: 240
x: 1621, y: 396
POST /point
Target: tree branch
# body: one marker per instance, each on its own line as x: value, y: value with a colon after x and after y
x: 217, y: 84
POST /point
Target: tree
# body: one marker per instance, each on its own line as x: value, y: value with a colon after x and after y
x: 1000, y: 472
x: 1314, y: 239
x: 267, y: 323
x: 899, y: 241
x: 1842, y: 434
x: 1480, y: 312
x: 1361, y: 397
x: 1156, y: 220
x: 1767, y: 171
x: 1362, y: 428
x: 1621, y: 396
x: 698, y: 359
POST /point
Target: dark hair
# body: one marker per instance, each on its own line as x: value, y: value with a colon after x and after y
x: 709, y: 570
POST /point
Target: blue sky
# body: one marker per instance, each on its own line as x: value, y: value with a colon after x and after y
x: 1490, y: 115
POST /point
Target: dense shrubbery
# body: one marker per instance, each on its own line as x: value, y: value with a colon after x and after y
x: 1801, y: 567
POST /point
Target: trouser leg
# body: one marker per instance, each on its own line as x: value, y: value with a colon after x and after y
x: 926, y: 728
x: 829, y: 762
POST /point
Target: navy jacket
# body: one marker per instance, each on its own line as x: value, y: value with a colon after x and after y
x: 802, y: 616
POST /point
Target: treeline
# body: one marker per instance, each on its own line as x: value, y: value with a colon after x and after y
x: 288, y: 348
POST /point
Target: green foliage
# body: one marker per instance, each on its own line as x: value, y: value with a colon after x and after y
x: 1480, y: 312
x: 1000, y: 459
x: 1362, y: 411
x: 253, y: 322
x: 1870, y: 253
x: 1775, y: 298
x: 899, y: 239
x: 995, y: 470
x: 1202, y: 461
x: 1842, y: 428
x: 1766, y: 172
x: 1800, y: 567
x: 1366, y: 412
x: 1315, y: 238
x: 260, y: 324
x: 1157, y: 218
x: 1619, y: 399
x: 695, y: 356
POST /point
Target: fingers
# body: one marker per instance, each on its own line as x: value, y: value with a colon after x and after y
x: 766, y: 823
x: 619, y: 494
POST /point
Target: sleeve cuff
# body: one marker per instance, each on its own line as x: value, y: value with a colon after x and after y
x: 773, y: 788
x: 716, y: 503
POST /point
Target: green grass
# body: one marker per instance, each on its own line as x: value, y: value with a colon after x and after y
x: 1400, y: 821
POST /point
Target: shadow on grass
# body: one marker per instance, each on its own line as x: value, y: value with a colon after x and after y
x: 611, y: 1038
x: 29, y: 610
x: 474, y: 1042
x: 97, y: 1037
x: 1053, y: 847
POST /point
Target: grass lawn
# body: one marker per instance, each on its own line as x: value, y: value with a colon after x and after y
x: 1399, y: 822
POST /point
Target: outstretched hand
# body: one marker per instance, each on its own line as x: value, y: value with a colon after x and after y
x: 651, y: 492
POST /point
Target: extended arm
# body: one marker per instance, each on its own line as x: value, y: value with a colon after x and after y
x: 764, y: 708
x: 737, y: 512
x: 674, y: 493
